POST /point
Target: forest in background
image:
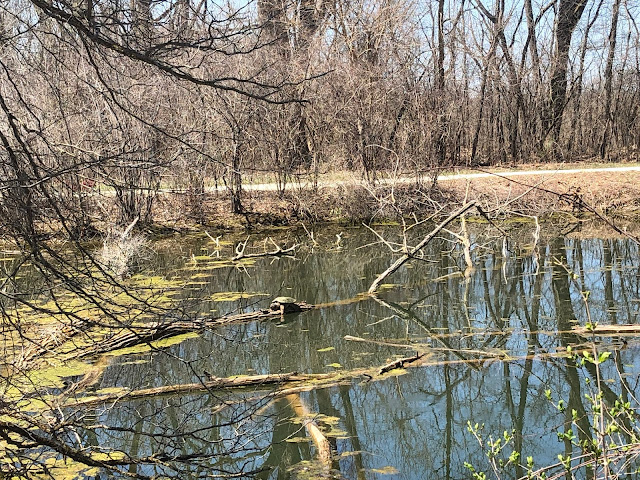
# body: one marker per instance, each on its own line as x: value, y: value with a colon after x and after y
x: 141, y: 94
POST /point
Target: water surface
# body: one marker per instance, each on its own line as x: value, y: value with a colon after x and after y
x: 495, y: 338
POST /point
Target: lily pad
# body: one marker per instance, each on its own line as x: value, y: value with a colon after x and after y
x: 327, y: 349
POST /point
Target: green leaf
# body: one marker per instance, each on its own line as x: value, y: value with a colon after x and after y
x: 603, y: 357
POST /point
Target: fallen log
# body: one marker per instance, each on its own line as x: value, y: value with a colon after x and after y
x: 153, y: 331
x: 412, y: 252
x: 267, y: 379
x: 483, y: 353
x: 300, y: 382
x: 212, y: 383
x: 351, y: 338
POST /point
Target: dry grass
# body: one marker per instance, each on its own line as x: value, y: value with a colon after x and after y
x: 611, y: 193
x: 617, y: 192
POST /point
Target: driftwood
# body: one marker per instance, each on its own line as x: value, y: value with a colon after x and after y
x: 400, y: 363
x: 274, y: 253
x: 351, y: 338
x: 153, y: 331
x: 483, y: 353
x: 413, y: 251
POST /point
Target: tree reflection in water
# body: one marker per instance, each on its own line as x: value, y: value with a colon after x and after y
x: 494, y: 340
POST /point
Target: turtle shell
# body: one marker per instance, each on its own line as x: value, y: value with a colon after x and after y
x: 284, y: 300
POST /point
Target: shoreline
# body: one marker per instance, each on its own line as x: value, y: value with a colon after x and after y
x: 615, y: 194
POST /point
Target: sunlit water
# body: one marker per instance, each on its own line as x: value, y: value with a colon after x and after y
x: 491, y: 337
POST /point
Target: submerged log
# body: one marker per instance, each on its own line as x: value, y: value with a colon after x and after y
x: 323, y: 447
x: 617, y: 330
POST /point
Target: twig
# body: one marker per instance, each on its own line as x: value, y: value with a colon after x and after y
x: 215, y: 240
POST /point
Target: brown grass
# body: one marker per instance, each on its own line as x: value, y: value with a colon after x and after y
x: 610, y: 193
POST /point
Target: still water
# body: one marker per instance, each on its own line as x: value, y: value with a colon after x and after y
x: 495, y: 340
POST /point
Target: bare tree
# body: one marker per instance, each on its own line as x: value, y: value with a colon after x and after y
x: 608, y: 80
x: 569, y: 14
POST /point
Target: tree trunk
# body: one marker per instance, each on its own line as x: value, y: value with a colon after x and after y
x: 441, y: 128
x: 483, y: 90
x: 608, y: 81
x: 576, y: 128
x: 569, y: 14
x: 236, y: 180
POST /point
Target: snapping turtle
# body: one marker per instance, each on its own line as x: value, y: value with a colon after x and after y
x: 285, y: 305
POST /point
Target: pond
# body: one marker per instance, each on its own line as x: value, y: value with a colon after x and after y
x: 499, y: 342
